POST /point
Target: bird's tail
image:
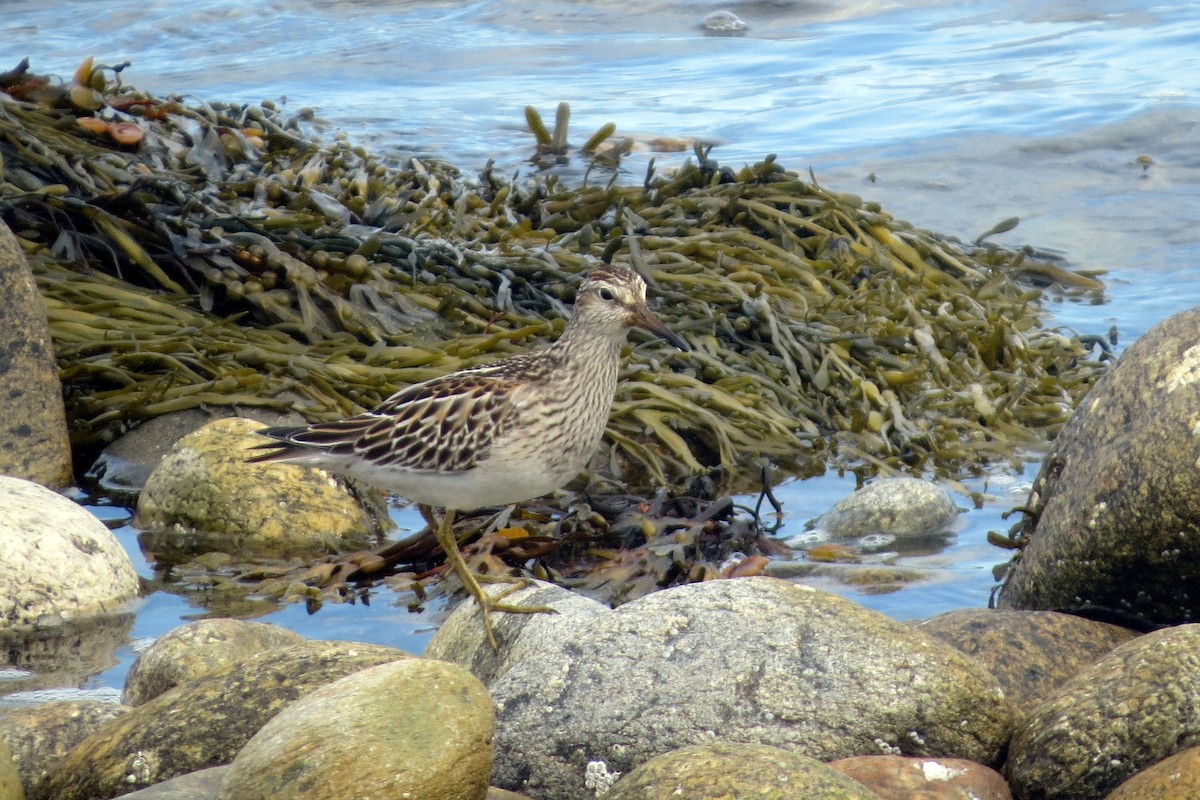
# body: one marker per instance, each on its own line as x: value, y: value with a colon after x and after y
x: 308, y: 442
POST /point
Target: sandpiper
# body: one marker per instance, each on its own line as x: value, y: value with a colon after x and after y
x: 491, y: 435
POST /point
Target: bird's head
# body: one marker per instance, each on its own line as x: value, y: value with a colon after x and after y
x: 616, y: 296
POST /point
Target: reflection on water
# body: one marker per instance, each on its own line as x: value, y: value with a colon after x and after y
x: 62, y: 655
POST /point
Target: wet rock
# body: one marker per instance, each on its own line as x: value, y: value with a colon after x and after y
x: 1031, y: 653
x: 1116, y: 524
x: 1132, y: 708
x: 40, y: 736
x: 462, y: 639
x: 57, y: 562
x: 756, y: 660
x: 205, y: 722
x: 33, y: 422
x: 205, y: 496
x: 898, y: 508
x: 900, y: 778
x: 744, y: 771
x: 416, y: 729
x: 126, y: 464
x: 1174, y: 778
x: 204, y: 647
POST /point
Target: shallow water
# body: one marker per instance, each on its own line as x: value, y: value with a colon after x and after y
x: 952, y: 115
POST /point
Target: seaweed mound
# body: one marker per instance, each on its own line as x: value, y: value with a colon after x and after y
x: 193, y: 253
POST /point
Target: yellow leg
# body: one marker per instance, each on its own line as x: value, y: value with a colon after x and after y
x: 444, y: 531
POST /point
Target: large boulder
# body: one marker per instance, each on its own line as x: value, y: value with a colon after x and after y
x: 58, y: 563
x: 1114, y: 524
x: 1133, y: 707
x: 415, y: 729
x: 752, y: 660
x: 204, y: 722
x: 33, y: 421
x: 1031, y: 653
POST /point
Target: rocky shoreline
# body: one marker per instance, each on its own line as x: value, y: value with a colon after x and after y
x: 747, y: 687
x: 750, y: 687
x: 731, y: 684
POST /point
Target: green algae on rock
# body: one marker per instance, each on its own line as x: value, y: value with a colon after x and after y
x: 229, y: 255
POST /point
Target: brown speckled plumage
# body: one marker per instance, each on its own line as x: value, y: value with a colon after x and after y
x: 500, y: 433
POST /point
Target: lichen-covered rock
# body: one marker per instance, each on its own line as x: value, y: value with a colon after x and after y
x: 755, y: 660
x: 204, y: 495
x: 33, y: 422
x: 908, y: 778
x: 41, y: 735
x: 417, y: 729
x: 205, y: 722
x: 1115, y: 524
x: 727, y: 770
x: 1031, y: 653
x: 57, y: 562
x: 1132, y: 708
x: 200, y: 648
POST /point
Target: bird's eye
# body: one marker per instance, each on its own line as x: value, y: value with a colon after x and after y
x: 607, y: 294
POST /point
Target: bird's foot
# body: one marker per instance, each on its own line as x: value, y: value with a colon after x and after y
x: 471, y: 582
x: 489, y: 603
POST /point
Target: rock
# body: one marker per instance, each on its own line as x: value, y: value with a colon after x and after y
x: 463, y: 641
x: 57, y: 562
x: 205, y: 496
x: 1119, y: 495
x: 726, y: 770
x: 33, y: 421
x: 1031, y: 653
x: 1132, y: 708
x: 125, y: 465
x: 40, y: 736
x: 10, y: 780
x: 756, y: 660
x: 205, y: 722
x: 416, y: 729
x: 900, y: 778
x: 896, y: 508
x: 1174, y: 778
x: 204, y: 647
x: 200, y: 785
